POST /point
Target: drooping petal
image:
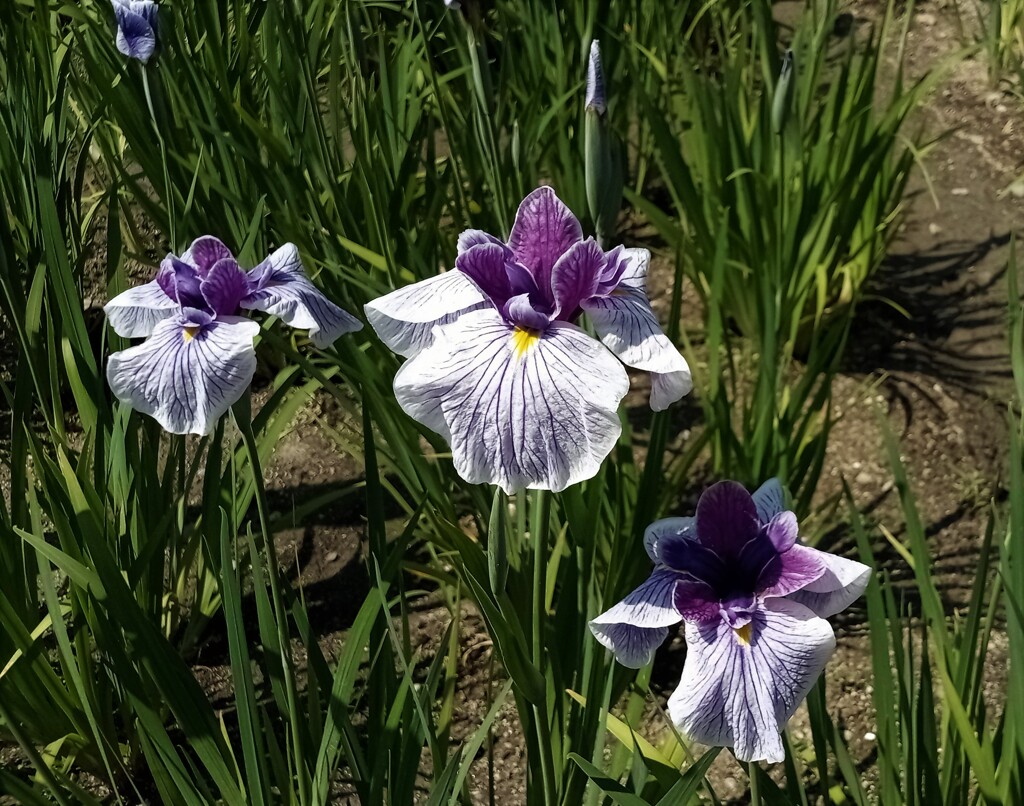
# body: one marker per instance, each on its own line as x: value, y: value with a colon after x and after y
x: 726, y: 518
x: 842, y: 582
x: 205, y: 253
x: 134, y: 313
x: 543, y: 231
x: 136, y: 36
x: 224, y: 287
x: 739, y: 687
x: 405, y: 318
x: 188, y: 372
x: 575, y: 276
x: 626, y: 323
x: 663, y: 532
x: 485, y: 264
x: 769, y: 499
x: 520, y: 409
x: 282, y: 289
x: 637, y: 625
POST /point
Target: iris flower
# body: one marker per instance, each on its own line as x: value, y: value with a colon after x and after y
x: 198, y: 358
x: 498, y: 364
x: 754, y: 603
x: 136, y: 28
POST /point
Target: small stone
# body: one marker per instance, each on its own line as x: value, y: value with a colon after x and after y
x: 847, y: 735
x: 934, y: 228
x: 863, y: 478
x: 332, y: 556
x: 869, y: 737
x: 1017, y: 189
x: 926, y: 19
x: 959, y: 191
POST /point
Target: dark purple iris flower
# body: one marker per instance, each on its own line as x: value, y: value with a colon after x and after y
x: 498, y: 364
x: 136, y: 28
x: 198, y: 358
x: 754, y: 601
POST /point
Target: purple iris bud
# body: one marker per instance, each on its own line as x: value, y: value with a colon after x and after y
x: 754, y: 602
x: 498, y: 364
x: 595, y: 80
x: 198, y: 357
x: 136, y: 28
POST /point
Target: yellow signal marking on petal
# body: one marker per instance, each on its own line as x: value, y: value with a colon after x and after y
x: 523, y: 340
x: 190, y: 333
x: 743, y: 635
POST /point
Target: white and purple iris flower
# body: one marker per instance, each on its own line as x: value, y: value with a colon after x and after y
x: 498, y: 364
x: 136, y: 28
x: 198, y: 358
x: 754, y: 602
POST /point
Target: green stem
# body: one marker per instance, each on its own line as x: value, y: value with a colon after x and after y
x: 42, y: 768
x: 755, y: 789
x: 540, y: 512
x: 172, y: 225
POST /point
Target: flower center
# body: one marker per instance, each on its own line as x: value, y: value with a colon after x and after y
x: 189, y: 333
x: 523, y: 340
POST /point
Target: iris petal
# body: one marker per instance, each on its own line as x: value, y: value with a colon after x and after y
x: 769, y: 500
x: 282, y: 289
x: 206, y: 252
x: 520, y: 410
x: 726, y: 518
x: 405, y: 318
x: 627, y: 325
x: 134, y: 313
x: 575, y: 277
x: 543, y: 231
x: 188, y: 372
x: 136, y: 37
x: 661, y: 534
x: 841, y: 583
x: 636, y: 626
x: 739, y: 687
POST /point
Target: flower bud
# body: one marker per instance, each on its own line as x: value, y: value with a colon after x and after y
x: 595, y: 81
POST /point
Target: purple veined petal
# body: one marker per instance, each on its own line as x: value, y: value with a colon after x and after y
x: 405, y: 319
x: 782, y: 530
x: 181, y: 282
x: 281, y: 288
x: 205, y: 253
x: 769, y: 499
x: 487, y: 266
x: 726, y: 518
x: 697, y: 601
x: 791, y: 571
x: 519, y: 409
x: 474, y: 237
x: 520, y: 312
x: 543, y: 231
x: 136, y: 34
x: 224, y: 287
x: 740, y: 687
x: 662, y: 533
x: 189, y: 372
x: 842, y: 582
x: 575, y: 277
x: 134, y: 313
x: 697, y: 560
x: 627, y: 325
x: 637, y: 625
x: 616, y: 263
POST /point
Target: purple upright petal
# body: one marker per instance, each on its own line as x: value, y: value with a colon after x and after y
x: 842, y: 582
x: 520, y: 410
x: 485, y: 264
x: 697, y: 560
x: 134, y: 313
x: 575, y: 277
x: 791, y: 571
x: 662, y: 533
x: 635, y: 627
x: 136, y: 34
x: 740, y: 687
x: 405, y: 319
x: 224, y: 287
x: 205, y: 253
x: 543, y: 231
x: 280, y: 287
x: 783, y: 531
x: 188, y: 372
x: 474, y: 237
x: 769, y: 499
x: 627, y: 325
x: 181, y: 281
x: 726, y: 518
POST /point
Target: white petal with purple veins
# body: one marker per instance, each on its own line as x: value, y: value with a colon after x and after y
x: 134, y: 313
x: 627, y: 325
x: 405, y: 318
x: 635, y: 627
x: 186, y: 377
x: 520, y: 409
x: 739, y: 687
x: 283, y: 290
x: 842, y: 583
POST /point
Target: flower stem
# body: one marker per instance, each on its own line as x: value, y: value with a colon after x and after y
x: 755, y: 789
x: 168, y: 191
x: 540, y: 512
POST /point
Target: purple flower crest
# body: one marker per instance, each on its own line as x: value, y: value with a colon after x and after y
x: 498, y: 364
x: 198, y: 358
x: 754, y: 602
x: 136, y: 28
